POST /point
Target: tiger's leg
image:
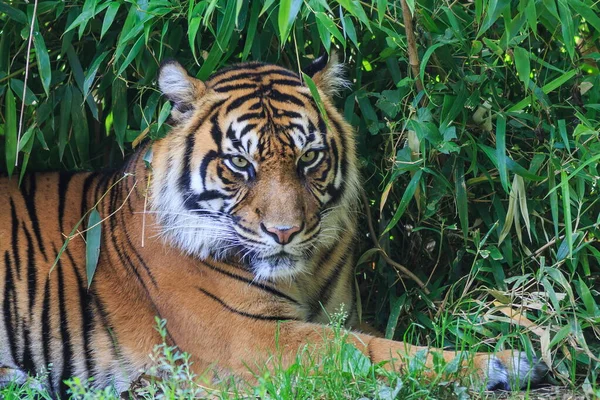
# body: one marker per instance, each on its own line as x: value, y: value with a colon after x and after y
x: 506, y: 370
x: 246, y: 342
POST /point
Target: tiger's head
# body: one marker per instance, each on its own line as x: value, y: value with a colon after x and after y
x: 251, y: 169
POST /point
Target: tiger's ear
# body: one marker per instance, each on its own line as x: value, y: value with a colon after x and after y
x: 180, y: 88
x: 328, y: 74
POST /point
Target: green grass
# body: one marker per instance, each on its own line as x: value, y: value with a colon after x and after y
x: 340, y: 372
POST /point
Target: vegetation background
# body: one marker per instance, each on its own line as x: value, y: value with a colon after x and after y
x: 480, y: 153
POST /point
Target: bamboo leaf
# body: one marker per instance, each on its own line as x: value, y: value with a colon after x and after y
x: 501, y: 150
x: 109, y: 17
x: 288, y: 10
x: 65, y: 119
x: 43, y: 59
x: 406, y: 197
x: 522, y: 64
x: 119, y: 111
x: 80, y: 128
x: 91, y: 74
x: 93, y: 238
x: 461, y: 197
x: 566, y: 203
x: 10, y: 112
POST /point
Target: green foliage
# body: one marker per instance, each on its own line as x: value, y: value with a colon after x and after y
x: 485, y: 182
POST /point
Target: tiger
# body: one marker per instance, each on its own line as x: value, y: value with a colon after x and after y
x: 237, y: 228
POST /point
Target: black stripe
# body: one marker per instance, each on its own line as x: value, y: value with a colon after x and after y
x: 245, y: 314
x: 67, y: 370
x: 31, y: 269
x: 244, y: 73
x: 63, y: 185
x: 286, y: 98
x: 8, y: 304
x: 221, y: 88
x: 332, y: 281
x: 238, y: 101
x: 15, y: 238
x: 27, y: 362
x: 29, y: 197
x: 251, y: 115
x: 250, y: 282
x: 87, y: 183
x: 210, y: 195
x: 185, y: 178
x: 87, y: 321
x: 46, y: 336
x: 286, y: 82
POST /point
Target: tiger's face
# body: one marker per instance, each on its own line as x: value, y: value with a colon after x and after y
x: 252, y: 170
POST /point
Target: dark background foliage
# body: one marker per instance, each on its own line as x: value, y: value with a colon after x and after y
x: 484, y: 184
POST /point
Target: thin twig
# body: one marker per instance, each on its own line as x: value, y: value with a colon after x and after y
x: 413, y: 55
x: 33, y: 17
x: 397, y: 266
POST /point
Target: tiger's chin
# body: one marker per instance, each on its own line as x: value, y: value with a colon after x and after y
x: 280, y: 266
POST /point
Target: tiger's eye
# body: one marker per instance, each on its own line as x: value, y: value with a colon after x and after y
x: 239, y: 162
x: 308, y: 157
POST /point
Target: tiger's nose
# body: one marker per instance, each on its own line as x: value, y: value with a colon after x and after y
x: 281, y: 234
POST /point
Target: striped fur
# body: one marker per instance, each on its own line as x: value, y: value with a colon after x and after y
x: 196, y: 239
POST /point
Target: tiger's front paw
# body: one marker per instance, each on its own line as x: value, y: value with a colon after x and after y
x: 510, y: 370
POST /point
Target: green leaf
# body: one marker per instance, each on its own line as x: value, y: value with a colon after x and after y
x: 396, y: 306
x: 165, y: 110
x: 522, y: 64
x: 566, y: 196
x: 349, y: 29
x: 356, y: 10
x: 251, y: 31
x: 406, y: 197
x: 93, y: 238
x: 315, y: 94
x: 135, y: 50
x: 381, y: 10
x: 531, y: 14
x: 587, y: 12
x: 25, y: 147
x: 13, y: 13
x: 43, y: 59
x: 462, y: 204
x: 109, y: 17
x: 425, y: 59
x: 555, y: 84
x: 567, y: 27
x: 65, y: 119
x: 501, y: 150
x: 218, y: 49
x: 17, y: 86
x: 328, y: 23
x: 40, y: 137
x: 288, y: 10
x: 80, y: 128
x: 91, y: 73
x: 10, y: 132
x: 119, y: 110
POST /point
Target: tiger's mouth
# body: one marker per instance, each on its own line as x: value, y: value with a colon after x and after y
x: 280, y: 265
